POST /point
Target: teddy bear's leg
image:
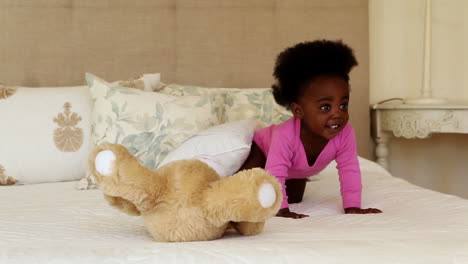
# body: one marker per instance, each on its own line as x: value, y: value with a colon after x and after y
x: 248, y: 196
x: 122, y: 204
x: 120, y: 176
x: 248, y: 228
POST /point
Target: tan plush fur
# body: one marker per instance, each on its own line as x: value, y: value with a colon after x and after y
x: 186, y: 200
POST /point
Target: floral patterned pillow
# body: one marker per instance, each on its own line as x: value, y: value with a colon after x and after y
x: 149, y: 124
x: 240, y: 103
x: 145, y: 82
x: 216, y: 94
x: 183, y: 90
x: 254, y: 103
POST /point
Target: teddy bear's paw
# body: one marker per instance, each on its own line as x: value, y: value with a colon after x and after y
x: 105, y: 159
x: 248, y: 196
x: 122, y: 178
x: 104, y: 162
x: 122, y: 204
x: 266, y: 195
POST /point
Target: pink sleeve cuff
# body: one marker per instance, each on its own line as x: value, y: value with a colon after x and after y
x: 284, y: 203
x: 352, y: 199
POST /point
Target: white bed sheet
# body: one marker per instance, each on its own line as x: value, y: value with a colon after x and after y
x: 54, y: 223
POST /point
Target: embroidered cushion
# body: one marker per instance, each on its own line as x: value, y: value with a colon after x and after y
x: 45, y: 131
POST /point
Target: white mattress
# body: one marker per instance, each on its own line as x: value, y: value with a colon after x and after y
x: 54, y: 223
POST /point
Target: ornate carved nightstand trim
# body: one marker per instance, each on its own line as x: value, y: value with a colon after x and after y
x: 414, y: 124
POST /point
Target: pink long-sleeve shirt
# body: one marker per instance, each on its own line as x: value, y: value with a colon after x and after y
x: 286, y: 158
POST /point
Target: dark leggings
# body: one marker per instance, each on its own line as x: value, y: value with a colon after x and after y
x: 294, y: 187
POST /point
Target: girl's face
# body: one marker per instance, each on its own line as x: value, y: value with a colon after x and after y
x: 323, y: 108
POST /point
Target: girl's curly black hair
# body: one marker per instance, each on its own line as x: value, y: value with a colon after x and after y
x: 298, y: 65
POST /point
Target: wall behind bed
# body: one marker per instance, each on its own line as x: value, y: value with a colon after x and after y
x: 216, y: 43
x: 397, y: 37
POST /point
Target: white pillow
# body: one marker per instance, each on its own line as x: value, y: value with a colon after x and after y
x: 224, y: 147
x: 45, y: 131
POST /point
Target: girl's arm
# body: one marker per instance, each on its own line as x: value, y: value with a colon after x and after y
x: 350, y: 173
x: 278, y: 161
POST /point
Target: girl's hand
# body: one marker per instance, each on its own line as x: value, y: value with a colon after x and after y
x: 286, y: 213
x: 357, y: 210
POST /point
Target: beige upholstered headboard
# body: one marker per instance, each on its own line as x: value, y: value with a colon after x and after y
x: 218, y: 43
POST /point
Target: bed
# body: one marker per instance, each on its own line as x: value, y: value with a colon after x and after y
x: 222, y: 44
x: 58, y: 224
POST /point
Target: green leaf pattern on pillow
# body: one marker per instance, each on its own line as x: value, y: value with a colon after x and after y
x: 239, y: 104
x: 185, y: 90
x: 254, y: 103
x: 149, y: 124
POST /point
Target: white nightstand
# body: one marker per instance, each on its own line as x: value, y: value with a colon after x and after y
x: 414, y: 121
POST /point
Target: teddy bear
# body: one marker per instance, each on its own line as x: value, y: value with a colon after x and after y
x: 185, y: 200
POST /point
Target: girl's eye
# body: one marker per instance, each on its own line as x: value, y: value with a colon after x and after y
x: 325, y: 107
x: 344, y: 106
